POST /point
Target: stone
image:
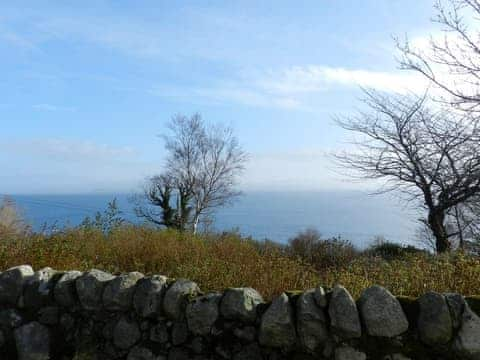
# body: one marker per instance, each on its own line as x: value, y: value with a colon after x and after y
x: 39, y: 287
x: 382, y: 313
x: 456, y: 305
x: 349, y: 353
x: 179, y: 333
x: 344, y: 318
x: 159, y: 333
x: 118, y: 293
x: 67, y: 322
x: 249, y: 352
x: 240, y: 304
x: 65, y: 292
x: 178, y: 354
x: 467, y: 344
x: 198, y: 345
x: 202, y: 313
x: 434, y: 322
x: 320, y: 297
x: 396, y: 357
x: 10, y: 319
x: 311, y: 322
x: 148, y: 297
x: 32, y: 341
x: 277, y: 326
x: 247, y: 334
x: 140, y: 353
x: 90, y: 288
x: 12, y: 282
x: 48, y: 315
x: 175, y: 297
x: 126, y: 333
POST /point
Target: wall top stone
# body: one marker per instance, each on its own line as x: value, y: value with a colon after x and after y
x: 47, y: 315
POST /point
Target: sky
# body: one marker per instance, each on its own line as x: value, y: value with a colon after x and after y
x: 86, y: 87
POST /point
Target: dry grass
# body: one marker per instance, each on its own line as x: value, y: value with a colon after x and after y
x: 219, y: 262
x: 214, y: 262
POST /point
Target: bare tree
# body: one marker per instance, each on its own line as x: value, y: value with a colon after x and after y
x: 451, y: 62
x: 431, y: 156
x: 202, y: 169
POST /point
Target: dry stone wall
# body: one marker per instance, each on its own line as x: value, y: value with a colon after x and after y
x: 48, y: 314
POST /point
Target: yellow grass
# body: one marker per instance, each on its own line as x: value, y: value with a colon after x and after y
x: 219, y: 262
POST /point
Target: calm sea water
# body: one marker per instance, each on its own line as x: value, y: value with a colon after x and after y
x: 355, y: 216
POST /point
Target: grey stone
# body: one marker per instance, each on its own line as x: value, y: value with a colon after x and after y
x: 434, y: 322
x: 456, y: 305
x: 10, y: 318
x: 382, y: 313
x: 38, y: 289
x: 65, y: 292
x: 277, y: 326
x: 178, y: 354
x: 311, y: 322
x: 48, y: 315
x: 321, y: 297
x: 33, y: 342
x: 344, y: 318
x: 90, y: 288
x: 126, y: 333
x: 12, y: 282
x: 140, y: 353
x: 247, y: 334
x: 118, y: 293
x: 159, y: 333
x: 249, y: 352
x: 467, y: 343
x: 179, y: 333
x: 202, y: 312
x: 67, y: 322
x: 198, y: 345
x: 148, y: 297
x: 349, y: 353
x: 240, y: 304
x: 175, y: 297
x: 397, y: 356
x: 109, y: 328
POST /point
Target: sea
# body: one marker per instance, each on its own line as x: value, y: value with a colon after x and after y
x: 352, y: 215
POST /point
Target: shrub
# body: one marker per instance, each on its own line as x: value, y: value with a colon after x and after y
x: 389, y: 250
x: 322, y: 253
x: 12, y: 223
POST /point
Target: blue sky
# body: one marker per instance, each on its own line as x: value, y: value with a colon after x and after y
x: 86, y: 86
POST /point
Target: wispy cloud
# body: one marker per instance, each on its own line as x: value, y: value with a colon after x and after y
x: 53, y: 108
x: 16, y: 40
x: 299, y: 169
x: 67, y: 150
x: 295, y: 88
x: 63, y: 165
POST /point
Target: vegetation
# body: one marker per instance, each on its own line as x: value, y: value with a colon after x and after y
x: 203, y: 164
x: 219, y: 261
x: 12, y: 223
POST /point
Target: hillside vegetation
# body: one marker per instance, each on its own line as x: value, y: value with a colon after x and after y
x: 217, y: 262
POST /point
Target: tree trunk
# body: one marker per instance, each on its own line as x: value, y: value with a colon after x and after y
x: 436, y: 221
x: 195, y: 224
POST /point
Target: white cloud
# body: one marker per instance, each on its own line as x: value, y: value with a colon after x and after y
x: 317, y: 78
x: 295, y: 170
x: 68, y: 166
x: 16, y: 40
x: 295, y: 88
x: 53, y: 108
